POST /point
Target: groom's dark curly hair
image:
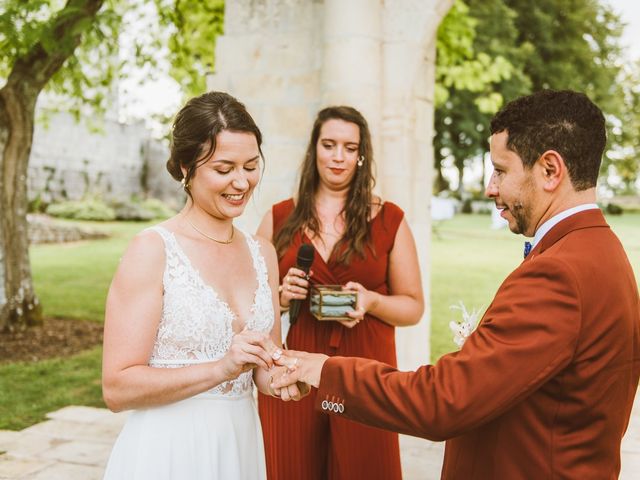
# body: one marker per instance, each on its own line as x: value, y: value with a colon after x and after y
x: 564, y: 121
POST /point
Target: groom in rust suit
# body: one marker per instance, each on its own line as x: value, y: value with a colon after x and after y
x: 544, y: 386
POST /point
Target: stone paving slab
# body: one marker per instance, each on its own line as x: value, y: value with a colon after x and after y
x: 75, y: 443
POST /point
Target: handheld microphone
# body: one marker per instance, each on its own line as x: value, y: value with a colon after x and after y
x: 303, y: 262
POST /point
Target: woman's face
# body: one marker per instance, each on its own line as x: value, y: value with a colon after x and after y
x: 223, y: 184
x: 337, y: 153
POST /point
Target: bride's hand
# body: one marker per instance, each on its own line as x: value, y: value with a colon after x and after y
x: 248, y: 350
x: 295, y: 391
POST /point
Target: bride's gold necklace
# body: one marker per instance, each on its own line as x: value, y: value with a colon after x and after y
x: 222, y: 242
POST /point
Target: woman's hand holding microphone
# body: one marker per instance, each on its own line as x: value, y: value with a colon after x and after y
x: 295, y: 286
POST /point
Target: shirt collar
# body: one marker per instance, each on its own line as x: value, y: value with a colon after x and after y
x: 553, y: 221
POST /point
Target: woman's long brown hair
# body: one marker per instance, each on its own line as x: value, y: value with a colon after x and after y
x: 357, y: 209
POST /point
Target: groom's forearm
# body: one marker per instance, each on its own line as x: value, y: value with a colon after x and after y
x: 375, y: 394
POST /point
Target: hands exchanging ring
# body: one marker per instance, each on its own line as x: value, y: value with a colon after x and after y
x: 302, y: 369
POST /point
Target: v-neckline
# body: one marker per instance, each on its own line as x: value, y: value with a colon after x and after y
x: 329, y: 260
x: 216, y: 296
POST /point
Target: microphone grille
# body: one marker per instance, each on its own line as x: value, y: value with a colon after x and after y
x: 305, y: 255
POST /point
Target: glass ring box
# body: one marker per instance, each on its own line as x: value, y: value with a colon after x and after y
x: 331, y: 302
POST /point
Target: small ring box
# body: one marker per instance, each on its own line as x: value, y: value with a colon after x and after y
x: 331, y: 302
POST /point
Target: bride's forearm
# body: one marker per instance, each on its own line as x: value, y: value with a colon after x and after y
x: 141, y: 386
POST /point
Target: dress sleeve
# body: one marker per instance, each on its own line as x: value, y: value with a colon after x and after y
x: 528, y: 335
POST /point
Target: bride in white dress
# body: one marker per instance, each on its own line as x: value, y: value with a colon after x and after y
x: 191, y: 319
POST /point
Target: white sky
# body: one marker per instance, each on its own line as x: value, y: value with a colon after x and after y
x: 629, y: 10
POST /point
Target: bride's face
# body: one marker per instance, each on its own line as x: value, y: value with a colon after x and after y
x: 223, y: 184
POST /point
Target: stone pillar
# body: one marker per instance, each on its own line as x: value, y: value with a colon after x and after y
x: 270, y: 58
x: 352, y: 59
x: 288, y: 58
x: 406, y: 160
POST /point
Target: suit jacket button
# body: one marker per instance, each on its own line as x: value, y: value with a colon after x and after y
x: 325, y: 404
x: 336, y: 407
x: 341, y: 408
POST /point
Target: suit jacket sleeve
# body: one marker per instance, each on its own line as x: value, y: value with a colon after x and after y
x: 527, y: 335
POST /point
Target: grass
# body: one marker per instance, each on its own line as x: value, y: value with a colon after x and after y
x: 469, y: 261
x: 72, y: 279
x: 72, y: 282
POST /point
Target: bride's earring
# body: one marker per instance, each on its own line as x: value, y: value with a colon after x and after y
x: 360, y: 160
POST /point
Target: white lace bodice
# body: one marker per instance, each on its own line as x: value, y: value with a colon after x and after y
x: 196, y: 324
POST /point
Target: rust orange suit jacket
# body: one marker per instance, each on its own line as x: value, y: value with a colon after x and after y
x: 542, y: 389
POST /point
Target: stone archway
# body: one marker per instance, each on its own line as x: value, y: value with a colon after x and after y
x: 288, y: 58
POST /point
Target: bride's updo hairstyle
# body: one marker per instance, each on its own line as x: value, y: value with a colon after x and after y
x: 193, y: 136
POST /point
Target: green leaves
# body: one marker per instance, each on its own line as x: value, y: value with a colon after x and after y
x: 195, y: 25
x: 492, y: 51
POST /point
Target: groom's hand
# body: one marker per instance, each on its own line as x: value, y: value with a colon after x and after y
x: 301, y: 367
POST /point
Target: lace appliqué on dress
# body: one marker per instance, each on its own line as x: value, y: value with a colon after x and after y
x: 196, y: 325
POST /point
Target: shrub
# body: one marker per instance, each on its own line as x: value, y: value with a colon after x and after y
x: 613, y: 209
x: 87, y: 209
x: 158, y: 208
x: 131, y: 211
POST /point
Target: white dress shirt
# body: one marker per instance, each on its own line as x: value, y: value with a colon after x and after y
x: 553, y: 221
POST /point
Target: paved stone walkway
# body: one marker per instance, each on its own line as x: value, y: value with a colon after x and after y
x: 74, y: 444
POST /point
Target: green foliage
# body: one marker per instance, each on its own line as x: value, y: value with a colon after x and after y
x: 86, y: 209
x: 142, y: 210
x: 622, y: 164
x: 196, y: 24
x: 87, y: 75
x: 460, y: 67
x: 613, y: 209
x: 478, y: 67
x: 131, y: 211
x: 158, y: 208
x: 96, y: 209
x: 531, y: 45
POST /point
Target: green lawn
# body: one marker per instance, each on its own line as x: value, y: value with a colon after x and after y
x: 72, y: 282
x: 469, y: 260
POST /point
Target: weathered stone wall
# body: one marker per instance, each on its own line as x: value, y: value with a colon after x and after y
x: 270, y: 57
x: 69, y: 161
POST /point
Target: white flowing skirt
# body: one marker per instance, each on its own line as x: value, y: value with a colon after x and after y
x: 201, y: 438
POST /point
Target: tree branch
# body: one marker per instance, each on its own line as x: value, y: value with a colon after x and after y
x: 32, y: 71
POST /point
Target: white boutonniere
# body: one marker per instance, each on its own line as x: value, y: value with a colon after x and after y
x: 461, y: 330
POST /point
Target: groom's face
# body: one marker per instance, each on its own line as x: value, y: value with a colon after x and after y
x: 512, y: 187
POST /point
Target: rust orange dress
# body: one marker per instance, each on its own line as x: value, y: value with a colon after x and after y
x: 300, y: 442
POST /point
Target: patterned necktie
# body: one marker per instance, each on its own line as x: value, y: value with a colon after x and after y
x: 527, y: 248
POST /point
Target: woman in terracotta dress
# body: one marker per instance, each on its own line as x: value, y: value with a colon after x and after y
x: 363, y: 244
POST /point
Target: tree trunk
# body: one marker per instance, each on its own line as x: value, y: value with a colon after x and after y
x: 19, y: 306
